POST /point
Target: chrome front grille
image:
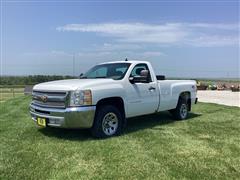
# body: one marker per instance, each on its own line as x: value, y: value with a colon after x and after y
x: 50, y: 99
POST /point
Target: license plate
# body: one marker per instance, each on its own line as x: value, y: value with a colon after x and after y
x: 41, y: 122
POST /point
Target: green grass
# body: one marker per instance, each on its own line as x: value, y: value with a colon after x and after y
x: 206, y: 146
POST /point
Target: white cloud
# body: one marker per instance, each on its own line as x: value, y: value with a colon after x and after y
x: 214, y: 26
x: 96, y: 54
x: 135, y: 32
x: 53, y: 53
x: 213, y: 41
x: 153, y: 54
x: 198, y: 34
x: 119, y: 46
x: 93, y: 54
x: 109, y: 54
x: 60, y: 53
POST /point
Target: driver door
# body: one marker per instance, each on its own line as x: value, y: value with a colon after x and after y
x: 142, y: 98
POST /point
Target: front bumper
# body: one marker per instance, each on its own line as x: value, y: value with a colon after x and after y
x: 71, y: 117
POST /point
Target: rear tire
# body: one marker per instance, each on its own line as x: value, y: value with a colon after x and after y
x: 181, y: 111
x: 107, y: 122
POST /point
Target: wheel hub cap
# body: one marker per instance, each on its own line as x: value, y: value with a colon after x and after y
x: 183, y: 111
x: 110, y: 124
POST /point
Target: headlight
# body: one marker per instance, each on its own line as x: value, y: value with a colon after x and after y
x: 81, y: 98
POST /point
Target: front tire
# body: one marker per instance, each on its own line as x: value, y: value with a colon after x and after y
x: 181, y: 111
x: 107, y: 122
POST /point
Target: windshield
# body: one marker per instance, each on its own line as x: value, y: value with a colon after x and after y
x: 114, y: 71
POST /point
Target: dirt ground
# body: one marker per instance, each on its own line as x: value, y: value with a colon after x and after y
x: 220, y: 97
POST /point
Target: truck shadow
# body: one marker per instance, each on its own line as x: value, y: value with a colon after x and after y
x: 153, y: 120
x: 133, y: 125
x: 68, y: 134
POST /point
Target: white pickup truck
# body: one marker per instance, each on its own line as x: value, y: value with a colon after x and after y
x: 106, y: 95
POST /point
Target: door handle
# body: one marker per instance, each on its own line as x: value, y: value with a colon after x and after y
x: 151, y: 88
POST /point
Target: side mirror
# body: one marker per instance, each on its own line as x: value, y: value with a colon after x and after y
x: 81, y: 75
x: 138, y: 79
x: 143, y: 78
x: 131, y: 80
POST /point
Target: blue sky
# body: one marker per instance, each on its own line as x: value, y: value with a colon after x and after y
x: 180, y: 39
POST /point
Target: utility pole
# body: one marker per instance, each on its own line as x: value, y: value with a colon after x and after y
x: 73, y: 64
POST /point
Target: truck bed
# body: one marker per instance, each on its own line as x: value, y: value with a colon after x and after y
x: 169, y: 92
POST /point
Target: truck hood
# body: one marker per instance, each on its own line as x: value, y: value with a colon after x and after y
x: 70, y: 84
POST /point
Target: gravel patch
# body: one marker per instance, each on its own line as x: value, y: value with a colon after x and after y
x: 228, y: 98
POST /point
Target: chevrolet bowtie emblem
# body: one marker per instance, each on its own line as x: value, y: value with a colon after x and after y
x: 44, y: 98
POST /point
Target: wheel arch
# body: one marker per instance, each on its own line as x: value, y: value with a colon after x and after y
x: 116, y: 101
x: 186, y: 95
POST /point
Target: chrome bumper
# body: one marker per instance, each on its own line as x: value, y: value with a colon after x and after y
x: 72, y: 117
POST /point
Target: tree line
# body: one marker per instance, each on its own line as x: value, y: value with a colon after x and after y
x: 30, y: 80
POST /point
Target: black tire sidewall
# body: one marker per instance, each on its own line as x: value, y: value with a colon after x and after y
x: 177, y: 113
x: 97, y: 130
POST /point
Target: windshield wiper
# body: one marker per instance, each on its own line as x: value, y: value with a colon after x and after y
x: 100, y: 77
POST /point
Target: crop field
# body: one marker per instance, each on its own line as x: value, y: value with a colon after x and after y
x: 205, y: 146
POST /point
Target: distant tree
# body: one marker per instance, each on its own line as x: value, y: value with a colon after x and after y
x: 30, y: 80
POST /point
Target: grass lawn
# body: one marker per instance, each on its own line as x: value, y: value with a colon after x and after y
x: 206, y: 146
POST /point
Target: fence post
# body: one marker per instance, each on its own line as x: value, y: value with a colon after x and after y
x: 13, y: 92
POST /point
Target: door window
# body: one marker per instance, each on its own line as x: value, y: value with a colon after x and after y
x: 137, y: 71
